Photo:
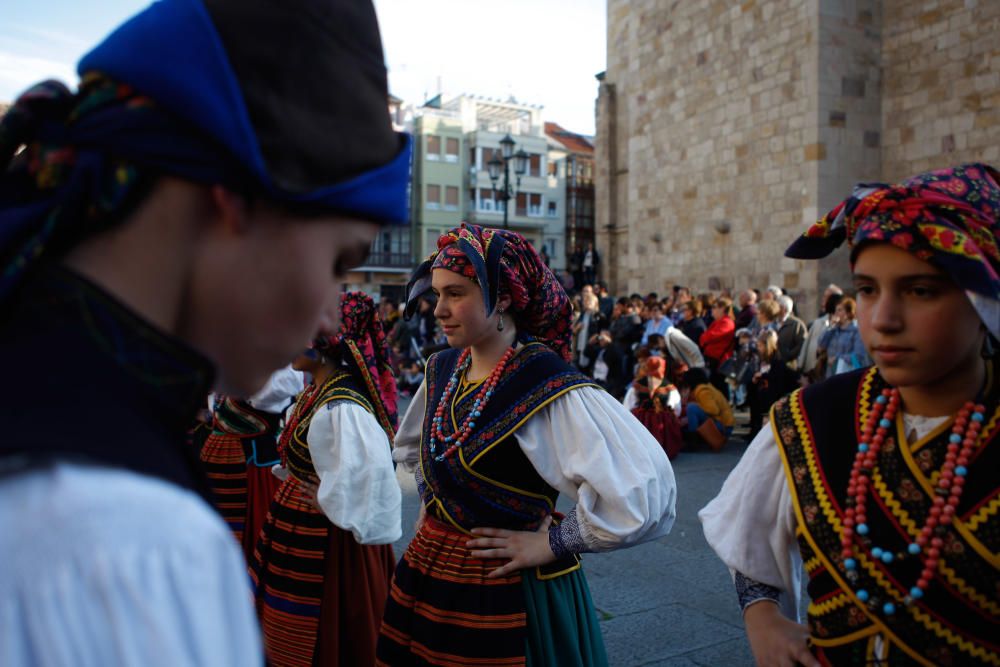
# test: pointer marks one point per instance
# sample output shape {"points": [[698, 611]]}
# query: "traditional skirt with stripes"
{"points": [[320, 595], [225, 465], [442, 610]]}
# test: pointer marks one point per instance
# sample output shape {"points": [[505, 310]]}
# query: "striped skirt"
{"points": [[442, 610], [225, 464], [320, 595]]}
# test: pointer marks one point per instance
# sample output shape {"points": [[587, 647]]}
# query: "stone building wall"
{"points": [[724, 128], [941, 89]]}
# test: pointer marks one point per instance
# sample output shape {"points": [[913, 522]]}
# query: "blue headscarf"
{"points": [[158, 96]]}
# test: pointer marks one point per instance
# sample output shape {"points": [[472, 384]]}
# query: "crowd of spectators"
{"points": [[751, 350]]}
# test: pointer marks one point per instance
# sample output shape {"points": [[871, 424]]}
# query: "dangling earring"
{"points": [[500, 321]]}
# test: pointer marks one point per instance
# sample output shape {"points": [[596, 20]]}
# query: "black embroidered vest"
{"points": [[489, 481], [957, 621]]}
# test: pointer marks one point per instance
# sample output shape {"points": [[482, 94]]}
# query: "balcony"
{"points": [[388, 260]]}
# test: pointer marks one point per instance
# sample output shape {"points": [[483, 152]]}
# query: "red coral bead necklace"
{"points": [[962, 442]]}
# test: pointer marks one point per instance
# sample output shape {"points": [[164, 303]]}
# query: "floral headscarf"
{"points": [[947, 217], [502, 262], [362, 335]]}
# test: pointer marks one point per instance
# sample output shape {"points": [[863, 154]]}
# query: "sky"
{"points": [[543, 52]]}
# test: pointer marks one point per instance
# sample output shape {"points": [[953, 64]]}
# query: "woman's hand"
{"points": [[524, 548], [309, 493], [421, 515], [775, 641]]}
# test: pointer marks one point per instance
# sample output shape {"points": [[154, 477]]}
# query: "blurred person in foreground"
{"points": [[181, 223]]}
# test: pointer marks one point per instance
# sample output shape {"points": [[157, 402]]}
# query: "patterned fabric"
{"points": [[749, 591], [443, 610], [490, 481], [957, 620], [239, 432], [363, 336], [502, 262], [947, 217], [54, 192], [290, 568]]}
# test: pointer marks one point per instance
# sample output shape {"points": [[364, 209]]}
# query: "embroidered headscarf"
{"points": [[948, 218], [232, 107], [362, 344], [502, 262]]}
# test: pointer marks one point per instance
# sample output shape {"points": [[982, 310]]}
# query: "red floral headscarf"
{"points": [[362, 336], [502, 262], [948, 217]]}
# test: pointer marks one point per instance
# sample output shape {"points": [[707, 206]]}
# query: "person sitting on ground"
{"points": [[658, 323], [655, 402], [707, 413]]}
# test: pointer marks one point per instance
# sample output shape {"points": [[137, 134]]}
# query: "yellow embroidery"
{"points": [[984, 513], [834, 603]]}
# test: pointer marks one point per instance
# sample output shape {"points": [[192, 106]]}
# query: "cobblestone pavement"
{"points": [[665, 603]]}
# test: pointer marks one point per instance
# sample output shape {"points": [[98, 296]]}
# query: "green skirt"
{"points": [[562, 624]]}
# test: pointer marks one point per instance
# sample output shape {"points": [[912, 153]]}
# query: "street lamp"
{"points": [[496, 164]]}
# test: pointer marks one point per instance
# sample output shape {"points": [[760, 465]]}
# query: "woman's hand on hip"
{"points": [[776, 641], [524, 548]]}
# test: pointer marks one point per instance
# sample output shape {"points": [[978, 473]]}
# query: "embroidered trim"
{"points": [[749, 591], [565, 538]]}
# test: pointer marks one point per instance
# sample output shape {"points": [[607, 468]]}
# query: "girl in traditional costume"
{"points": [[323, 560], [503, 424], [657, 404], [882, 482], [240, 451]]}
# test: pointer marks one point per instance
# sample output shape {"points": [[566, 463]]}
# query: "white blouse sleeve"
{"points": [[406, 445], [674, 401], [587, 445], [358, 490], [751, 523], [630, 400]]}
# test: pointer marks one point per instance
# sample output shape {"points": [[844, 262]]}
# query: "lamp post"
{"points": [[494, 166]]}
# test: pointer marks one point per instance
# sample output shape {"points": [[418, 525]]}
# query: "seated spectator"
{"points": [[691, 323], [605, 363], [718, 340], [657, 404], [708, 415], [841, 344], [772, 380], [791, 333], [809, 359], [657, 323], [748, 309]]}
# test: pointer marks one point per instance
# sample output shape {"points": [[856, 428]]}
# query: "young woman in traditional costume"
{"points": [[323, 561], [882, 482], [182, 223], [241, 450], [656, 403], [502, 425]]}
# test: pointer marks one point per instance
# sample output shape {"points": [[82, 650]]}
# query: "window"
{"points": [[433, 197], [486, 202], [552, 209], [433, 147], [534, 204], [522, 204], [472, 157], [451, 149], [451, 198], [534, 165], [488, 155], [553, 168]]}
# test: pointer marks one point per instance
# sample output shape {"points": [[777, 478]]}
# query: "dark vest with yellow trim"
{"points": [[340, 386], [489, 481], [957, 621], [257, 429]]}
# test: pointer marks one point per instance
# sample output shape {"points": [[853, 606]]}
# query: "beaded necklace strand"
{"points": [[461, 435], [964, 438]]}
